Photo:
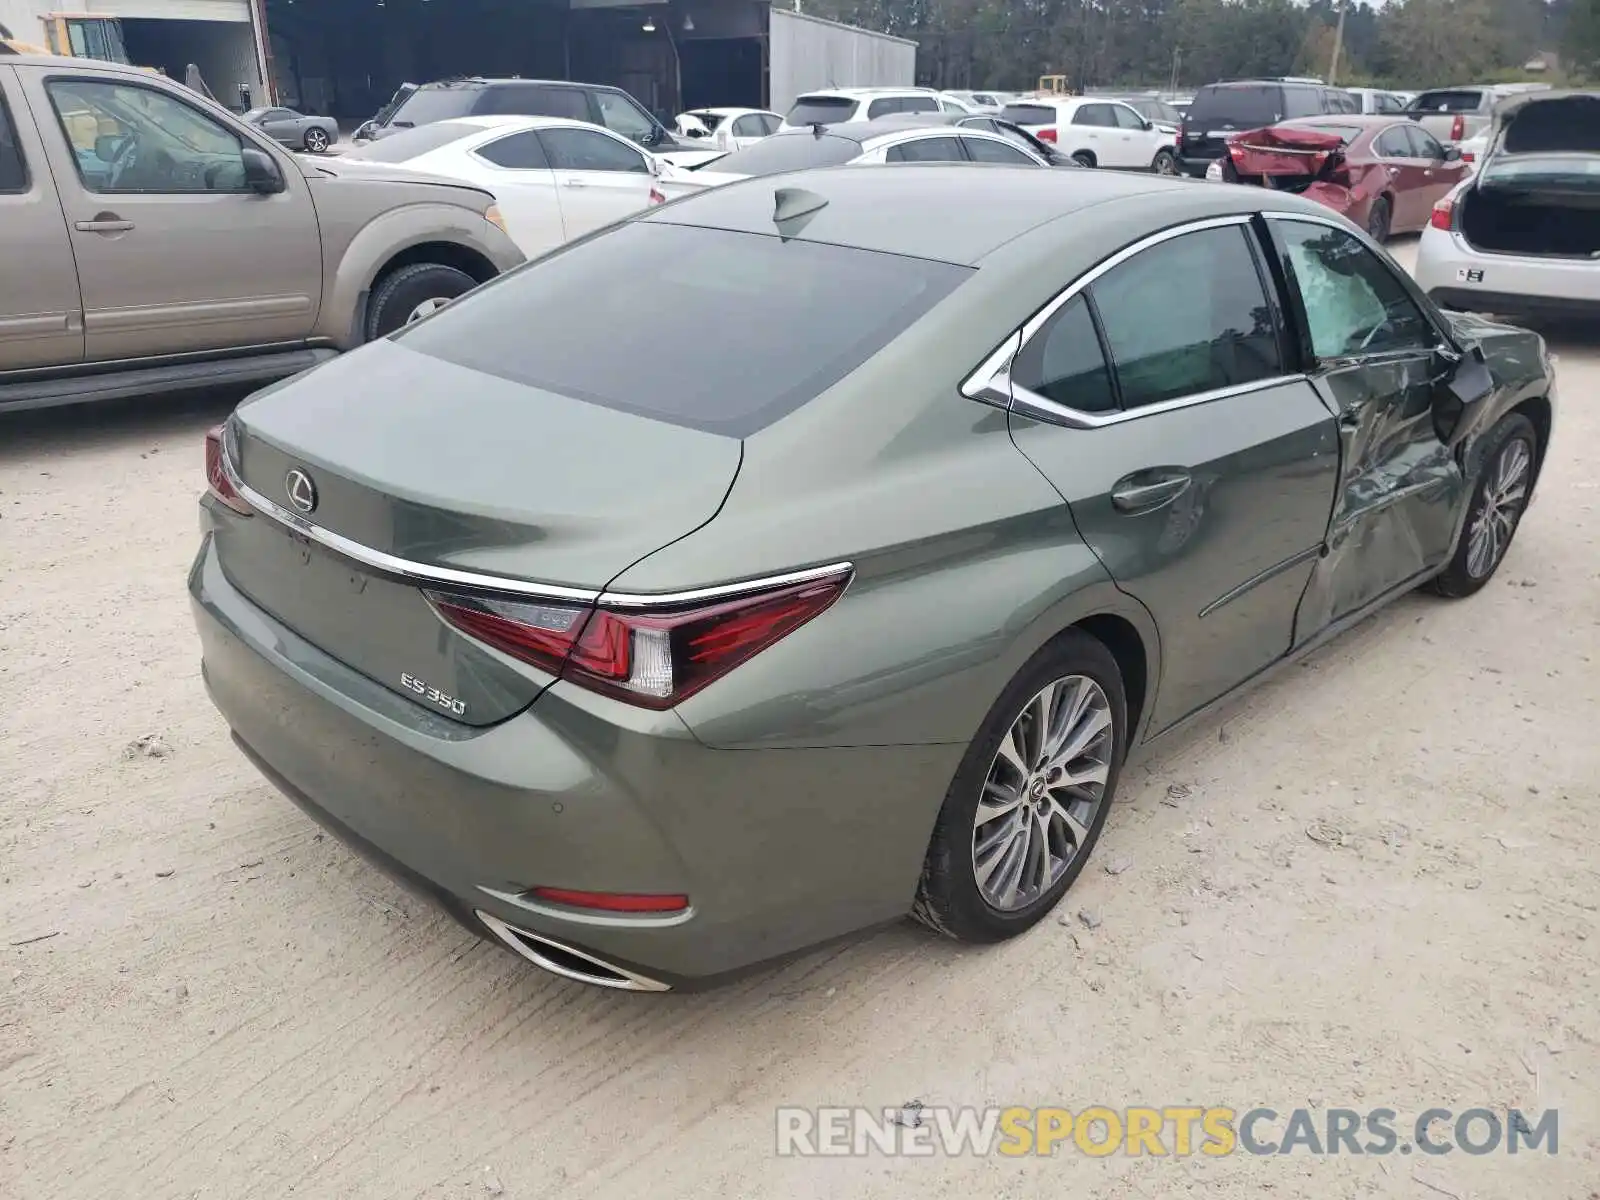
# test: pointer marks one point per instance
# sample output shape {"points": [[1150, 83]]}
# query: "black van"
{"points": [[1220, 110]]}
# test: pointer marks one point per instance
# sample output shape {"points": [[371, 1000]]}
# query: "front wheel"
{"points": [[1166, 163], [412, 293], [1510, 451], [1030, 797]]}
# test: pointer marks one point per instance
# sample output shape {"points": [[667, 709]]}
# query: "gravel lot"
{"points": [[1372, 882]]}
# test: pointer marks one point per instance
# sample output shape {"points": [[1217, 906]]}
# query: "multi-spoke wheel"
{"points": [[1504, 482], [1030, 796]]}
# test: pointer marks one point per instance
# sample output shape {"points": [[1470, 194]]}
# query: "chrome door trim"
{"points": [[428, 574], [1031, 404]]}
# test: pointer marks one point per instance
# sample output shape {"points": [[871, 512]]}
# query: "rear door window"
{"points": [[916, 104], [1064, 362], [531, 100], [933, 149], [1216, 331], [1393, 143], [1094, 114], [584, 150], [821, 110], [1423, 144], [991, 151], [518, 152], [810, 314], [749, 126], [1303, 102]]}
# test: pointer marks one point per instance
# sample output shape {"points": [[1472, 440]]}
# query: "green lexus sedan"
{"points": [[653, 665]]}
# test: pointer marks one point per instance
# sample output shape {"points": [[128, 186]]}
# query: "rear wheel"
{"points": [[1166, 163], [1083, 158], [316, 141], [1378, 220], [411, 293], [1030, 797], [1510, 452]]}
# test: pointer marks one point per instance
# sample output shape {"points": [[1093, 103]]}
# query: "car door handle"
{"points": [[103, 225], [1144, 490], [574, 183]]}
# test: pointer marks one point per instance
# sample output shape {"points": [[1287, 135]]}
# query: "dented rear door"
{"points": [[1373, 352]]}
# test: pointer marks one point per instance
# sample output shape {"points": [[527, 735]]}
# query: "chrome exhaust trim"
{"points": [[567, 961]]}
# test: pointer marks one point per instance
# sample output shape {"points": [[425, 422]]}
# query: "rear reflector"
{"points": [[612, 901], [651, 657], [1046, 135], [1443, 215], [217, 478]]}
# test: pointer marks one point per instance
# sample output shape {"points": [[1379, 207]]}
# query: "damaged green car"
{"points": [[653, 665]]}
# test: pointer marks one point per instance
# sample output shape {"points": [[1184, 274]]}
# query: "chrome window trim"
{"points": [[426, 574], [992, 378]]}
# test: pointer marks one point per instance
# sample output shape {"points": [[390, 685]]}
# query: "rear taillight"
{"points": [[656, 195], [1443, 216], [1047, 135], [1458, 128], [1468, 156], [652, 657], [217, 476]]}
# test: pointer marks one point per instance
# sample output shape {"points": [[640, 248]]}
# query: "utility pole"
{"points": [[1177, 61], [1338, 44]]}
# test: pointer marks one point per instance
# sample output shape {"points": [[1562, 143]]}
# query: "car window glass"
{"points": [[13, 171], [950, 106], [1387, 103], [1447, 102], [990, 151], [1063, 362], [1125, 117], [621, 115], [1029, 114], [1301, 102], [519, 152], [769, 124], [913, 104], [1240, 105], [808, 314], [1424, 144], [748, 127], [1215, 331], [821, 110], [1092, 114], [128, 138], [440, 103], [933, 149], [1353, 302], [1393, 143], [983, 123], [413, 143], [581, 150]]}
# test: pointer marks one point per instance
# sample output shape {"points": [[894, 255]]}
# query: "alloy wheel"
{"points": [[1042, 792], [316, 141], [1505, 490]]}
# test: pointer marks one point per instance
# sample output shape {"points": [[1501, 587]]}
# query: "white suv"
{"points": [[836, 106], [1097, 132]]}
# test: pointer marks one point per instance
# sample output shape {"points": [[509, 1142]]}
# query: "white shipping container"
{"points": [[807, 53]]}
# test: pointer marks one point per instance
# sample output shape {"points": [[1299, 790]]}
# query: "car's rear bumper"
{"points": [[776, 850], [1514, 304], [1195, 165], [1458, 276]]}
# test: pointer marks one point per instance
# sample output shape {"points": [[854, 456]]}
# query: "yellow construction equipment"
{"points": [[1053, 85], [75, 35]]}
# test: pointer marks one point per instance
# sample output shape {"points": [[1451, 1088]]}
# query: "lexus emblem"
{"points": [[302, 492]]}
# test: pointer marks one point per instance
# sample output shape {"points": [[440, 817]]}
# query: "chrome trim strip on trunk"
{"points": [[424, 574]]}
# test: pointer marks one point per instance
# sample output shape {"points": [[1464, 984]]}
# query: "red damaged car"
{"points": [[1384, 173]]}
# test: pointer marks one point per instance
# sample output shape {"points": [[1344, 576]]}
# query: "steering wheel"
{"points": [[127, 154]]}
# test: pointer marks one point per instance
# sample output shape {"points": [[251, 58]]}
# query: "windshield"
{"points": [[1251, 104], [787, 152], [413, 143], [821, 110], [1446, 102], [808, 314], [429, 104]]}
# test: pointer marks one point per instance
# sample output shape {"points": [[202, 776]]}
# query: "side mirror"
{"points": [[365, 131], [1463, 381], [261, 173], [1149, 125], [1452, 154]]}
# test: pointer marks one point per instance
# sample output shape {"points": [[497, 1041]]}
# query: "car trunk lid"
{"points": [[1308, 162], [393, 471], [1538, 193]]}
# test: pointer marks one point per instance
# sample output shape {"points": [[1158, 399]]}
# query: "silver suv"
{"points": [[153, 242]]}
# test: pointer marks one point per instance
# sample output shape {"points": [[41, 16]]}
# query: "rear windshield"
{"points": [[1028, 114], [1343, 132], [426, 105], [1252, 104], [709, 119], [1447, 102], [413, 143], [1579, 171], [787, 152], [575, 322], [821, 110]]}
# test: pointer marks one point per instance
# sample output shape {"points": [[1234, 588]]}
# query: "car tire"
{"points": [[410, 293], [1083, 158], [316, 141], [966, 860], [1379, 219], [1508, 459], [1165, 163]]}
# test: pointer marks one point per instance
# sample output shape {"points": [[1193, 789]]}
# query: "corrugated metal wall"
{"points": [[809, 53]]}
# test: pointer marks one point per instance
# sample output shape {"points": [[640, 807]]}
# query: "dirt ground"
{"points": [[1371, 883]]}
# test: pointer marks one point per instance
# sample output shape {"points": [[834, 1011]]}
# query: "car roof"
{"points": [[924, 210], [499, 120], [860, 93], [485, 81]]}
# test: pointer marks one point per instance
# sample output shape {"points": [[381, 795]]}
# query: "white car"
{"points": [[1376, 100], [886, 141], [728, 128], [976, 102], [1097, 132], [1521, 238], [838, 106], [554, 179]]}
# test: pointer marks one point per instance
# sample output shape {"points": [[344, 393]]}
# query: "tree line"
{"points": [[1412, 44]]}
